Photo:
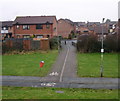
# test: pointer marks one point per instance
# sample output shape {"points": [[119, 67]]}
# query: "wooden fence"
{"points": [[27, 44]]}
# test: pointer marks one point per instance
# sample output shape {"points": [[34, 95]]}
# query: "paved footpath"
{"points": [[63, 74], [65, 65]]}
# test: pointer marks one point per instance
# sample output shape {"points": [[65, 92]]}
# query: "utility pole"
{"points": [[58, 44], [102, 51]]}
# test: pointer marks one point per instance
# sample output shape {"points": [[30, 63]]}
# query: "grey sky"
{"points": [[76, 10]]}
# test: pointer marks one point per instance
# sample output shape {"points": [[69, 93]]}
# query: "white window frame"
{"points": [[26, 27]]}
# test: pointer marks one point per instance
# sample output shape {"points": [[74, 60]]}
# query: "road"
{"points": [[62, 74], [27, 81]]}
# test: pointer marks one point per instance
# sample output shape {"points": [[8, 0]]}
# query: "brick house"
{"points": [[98, 31], [81, 28], [92, 26], [65, 27], [111, 25], [35, 26], [6, 29]]}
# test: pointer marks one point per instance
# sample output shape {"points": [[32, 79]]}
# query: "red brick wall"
{"points": [[55, 31], [64, 28], [33, 30], [82, 29]]}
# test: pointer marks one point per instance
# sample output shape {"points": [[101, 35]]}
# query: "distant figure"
{"points": [[72, 42], [65, 42]]}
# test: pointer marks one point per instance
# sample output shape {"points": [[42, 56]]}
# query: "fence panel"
{"points": [[44, 45], [27, 44], [35, 45]]}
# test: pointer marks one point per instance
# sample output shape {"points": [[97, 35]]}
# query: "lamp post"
{"points": [[102, 51], [58, 44]]}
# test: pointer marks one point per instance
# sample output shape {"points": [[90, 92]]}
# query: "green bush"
{"points": [[111, 43], [54, 43], [88, 43], [5, 48]]}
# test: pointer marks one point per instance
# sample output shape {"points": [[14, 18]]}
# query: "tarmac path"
{"points": [[63, 74], [65, 65]]}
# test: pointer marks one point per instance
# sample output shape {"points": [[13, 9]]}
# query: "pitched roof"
{"points": [[67, 21], [90, 27], [98, 29], [7, 23], [92, 23], [34, 19], [110, 22], [80, 23]]}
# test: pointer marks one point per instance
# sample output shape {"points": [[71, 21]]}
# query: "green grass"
{"points": [[28, 64], [89, 64], [50, 93]]}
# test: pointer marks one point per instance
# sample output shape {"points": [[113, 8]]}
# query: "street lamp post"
{"points": [[102, 51], [58, 44]]}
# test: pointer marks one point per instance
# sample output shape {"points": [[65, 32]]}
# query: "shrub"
{"points": [[5, 48], [88, 43], [82, 43], [110, 43], [72, 35], [54, 43]]}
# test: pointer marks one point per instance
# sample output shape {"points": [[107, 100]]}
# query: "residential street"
{"points": [[63, 74]]}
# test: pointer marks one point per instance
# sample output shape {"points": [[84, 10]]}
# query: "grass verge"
{"points": [[28, 64], [89, 65], [50, 93]]}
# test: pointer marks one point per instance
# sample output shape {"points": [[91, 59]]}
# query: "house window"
{"points": [[18, 36], [26, 36], [47, 26], [17, 27], [26, 27], [4, 28], [39, 26], [39, 36], [55, 29], [85, 31], [48, 36]]}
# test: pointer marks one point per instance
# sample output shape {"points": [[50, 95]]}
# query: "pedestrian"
{"points": [[65, 42]]}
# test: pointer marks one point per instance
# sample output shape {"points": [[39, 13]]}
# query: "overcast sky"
{"points": [[76, 10]]}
